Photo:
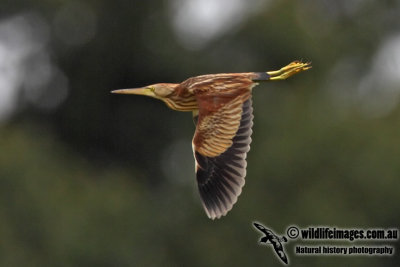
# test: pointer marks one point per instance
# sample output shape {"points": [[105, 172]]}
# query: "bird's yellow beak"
{"points": [[135, 91]]}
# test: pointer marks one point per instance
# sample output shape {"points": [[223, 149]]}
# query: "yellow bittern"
{"points": [[223, 113]]}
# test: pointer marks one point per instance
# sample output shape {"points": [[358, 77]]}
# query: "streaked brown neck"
{"points": [[181, 100]]}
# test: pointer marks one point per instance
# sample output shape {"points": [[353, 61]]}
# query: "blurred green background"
{"points": [[93, 179]]}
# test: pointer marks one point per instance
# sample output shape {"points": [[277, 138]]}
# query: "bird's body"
{"points": [[183, 98], [222, 108]]}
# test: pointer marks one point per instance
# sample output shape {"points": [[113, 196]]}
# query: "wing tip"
{"points": [[221, 205]]}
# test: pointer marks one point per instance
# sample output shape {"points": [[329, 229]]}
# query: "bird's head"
{"points": [[159, 90]]}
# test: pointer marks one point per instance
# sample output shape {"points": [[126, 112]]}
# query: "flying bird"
{"points": [[222, 110], [273, 239]]}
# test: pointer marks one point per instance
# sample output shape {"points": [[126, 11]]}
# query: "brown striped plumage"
{"points": [[222, 107]]}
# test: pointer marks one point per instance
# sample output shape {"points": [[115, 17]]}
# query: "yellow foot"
{"points": [[289, 70]]}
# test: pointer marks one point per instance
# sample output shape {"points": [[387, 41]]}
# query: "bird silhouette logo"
{"points": [[272, 239]]}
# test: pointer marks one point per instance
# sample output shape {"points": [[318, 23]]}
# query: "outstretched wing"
{"points": [[280, 252], [220, 144]]}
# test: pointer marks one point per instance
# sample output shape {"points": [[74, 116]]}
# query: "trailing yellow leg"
{"points": [[289, 70]]}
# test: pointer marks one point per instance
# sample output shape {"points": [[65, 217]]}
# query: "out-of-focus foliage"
{"points": [[89, 178]]}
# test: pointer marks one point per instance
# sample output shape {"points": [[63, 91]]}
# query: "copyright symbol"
{"points": [[292, 232]]}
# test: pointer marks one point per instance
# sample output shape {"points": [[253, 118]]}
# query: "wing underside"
{"points": [[221, 176]]}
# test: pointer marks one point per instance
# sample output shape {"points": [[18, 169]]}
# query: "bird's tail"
{"points": [[284, 73]]}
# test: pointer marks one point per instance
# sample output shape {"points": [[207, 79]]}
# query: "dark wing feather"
{"points": [[280, 252], [221, 178]]}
